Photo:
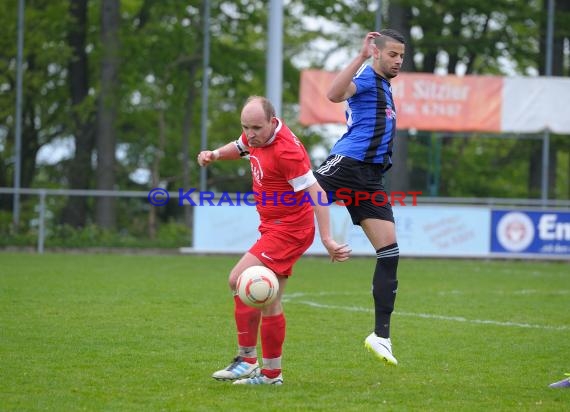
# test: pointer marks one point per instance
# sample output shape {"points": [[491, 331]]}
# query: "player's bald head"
{"points": [[255, 104]]}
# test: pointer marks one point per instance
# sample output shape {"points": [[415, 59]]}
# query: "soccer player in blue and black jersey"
{"points": [[360, 158]]}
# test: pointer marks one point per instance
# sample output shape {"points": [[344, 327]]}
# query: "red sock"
{"points": [[270, 373], [272, 339], [247, 323]]}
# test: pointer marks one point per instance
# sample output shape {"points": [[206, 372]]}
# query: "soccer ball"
{"points": [[257, 286]]}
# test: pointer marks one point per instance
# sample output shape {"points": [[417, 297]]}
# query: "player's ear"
{"points": [[375, 51]]}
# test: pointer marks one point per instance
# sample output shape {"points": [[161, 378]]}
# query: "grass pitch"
{"points": [[144, 333]]}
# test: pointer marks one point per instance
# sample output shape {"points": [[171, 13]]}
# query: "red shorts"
{"points": [[279, 249]]}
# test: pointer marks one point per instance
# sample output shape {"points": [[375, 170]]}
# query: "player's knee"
{"points": [[274, 309], [232, 280]]}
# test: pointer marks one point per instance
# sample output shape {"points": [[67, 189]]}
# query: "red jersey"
{"points": [[281, 170]]}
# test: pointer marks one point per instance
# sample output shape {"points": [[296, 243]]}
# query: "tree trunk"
{"points": [[30, 145], [75, 211], [399, 175], [107, 114]]}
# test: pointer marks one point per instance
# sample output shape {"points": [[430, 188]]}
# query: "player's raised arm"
{"points": [[342, 86]]}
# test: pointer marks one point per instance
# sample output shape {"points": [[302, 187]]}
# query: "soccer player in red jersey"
{"points": [[287, 194]]}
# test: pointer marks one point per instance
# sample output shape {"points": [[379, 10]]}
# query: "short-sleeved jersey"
{"points": [[281, 170], [370, 120]]}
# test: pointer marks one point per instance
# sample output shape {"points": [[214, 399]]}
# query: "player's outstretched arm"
{"points": [[337, 252], [226, 152]]}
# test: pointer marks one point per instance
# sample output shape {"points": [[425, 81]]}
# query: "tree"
{"points": [[107, 111], [399, 177], [82, 117], [44, 87]]}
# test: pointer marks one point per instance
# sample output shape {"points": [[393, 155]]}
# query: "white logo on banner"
{"points": [[515, 231]]}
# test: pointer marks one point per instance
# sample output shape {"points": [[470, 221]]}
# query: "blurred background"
{"points": [[99, 96]]}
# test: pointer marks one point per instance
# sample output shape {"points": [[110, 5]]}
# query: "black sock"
{"points": [[384, 287]]}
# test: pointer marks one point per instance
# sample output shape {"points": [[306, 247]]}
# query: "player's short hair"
{"points": [[267, 106], [388, 35]]}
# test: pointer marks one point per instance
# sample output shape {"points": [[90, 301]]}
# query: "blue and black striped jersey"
{"points": [[370, 120]]}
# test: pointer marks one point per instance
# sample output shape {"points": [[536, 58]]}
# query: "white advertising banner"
{"points": [[225, 229], [534, 104], [421, 230]]}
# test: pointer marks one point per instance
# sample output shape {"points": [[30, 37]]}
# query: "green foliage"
{"points": [[133, 232], [563, 173], [170, 235], [144, 333], [476, 35], [11, 237], [475, 166], [44, 95]]}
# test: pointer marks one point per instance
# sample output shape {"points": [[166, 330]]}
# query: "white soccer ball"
{"points": [[257, 286]]}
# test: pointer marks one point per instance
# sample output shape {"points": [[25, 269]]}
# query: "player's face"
{"points": [[390, 59], [258, 130]]}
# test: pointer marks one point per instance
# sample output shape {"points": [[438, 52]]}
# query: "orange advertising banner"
{"points": [[423, 101]]}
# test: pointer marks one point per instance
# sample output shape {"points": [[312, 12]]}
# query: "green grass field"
{"points": [[144, 333]]}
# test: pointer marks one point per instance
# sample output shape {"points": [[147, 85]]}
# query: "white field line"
{"points": [[292, 299], [524, 292]]}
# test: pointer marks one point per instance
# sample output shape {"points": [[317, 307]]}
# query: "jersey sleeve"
{"points": [[242, 147], [296, 169], [362, 79], [303, 182]]}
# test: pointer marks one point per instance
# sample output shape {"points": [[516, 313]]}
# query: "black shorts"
{"points": [[358, 184]]}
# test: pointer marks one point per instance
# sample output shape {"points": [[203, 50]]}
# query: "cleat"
{"points": [[260, 380], [236, 370], [381, 348], [564, 383]]}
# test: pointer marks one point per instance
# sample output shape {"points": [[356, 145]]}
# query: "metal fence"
{"points": [[41, 209]]}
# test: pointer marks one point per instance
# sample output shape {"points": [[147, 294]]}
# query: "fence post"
{"points": [[42, 222]]}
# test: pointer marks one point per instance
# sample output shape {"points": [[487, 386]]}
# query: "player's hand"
{"points": [[206, 157], [337, 252], [368, 44]]}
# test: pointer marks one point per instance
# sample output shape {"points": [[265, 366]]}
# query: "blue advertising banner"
{"points": [[521, 232]]}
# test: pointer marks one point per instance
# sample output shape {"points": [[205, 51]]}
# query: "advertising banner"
{"points": [[452, 103], [517, 232], [421, 230]]}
